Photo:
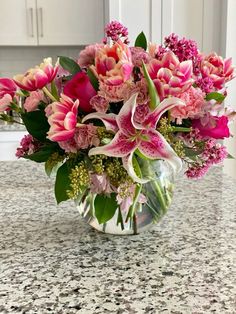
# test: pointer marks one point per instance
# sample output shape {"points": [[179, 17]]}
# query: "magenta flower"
{"points": [[216, 127], [131, 136], [79, 87], [115, 30], [113, 65], [170, 76], [37, 77], [7, 86], [63, 119]]}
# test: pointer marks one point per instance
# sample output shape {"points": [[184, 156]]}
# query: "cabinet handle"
{"points": [[40, 10], [31, 22]]}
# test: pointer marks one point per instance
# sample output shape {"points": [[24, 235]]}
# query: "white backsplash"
{"points": [[16, 60]]}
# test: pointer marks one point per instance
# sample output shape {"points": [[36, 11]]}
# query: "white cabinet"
{"points": [[18, 22], [51, 22], [9, 141], [70, 22]]}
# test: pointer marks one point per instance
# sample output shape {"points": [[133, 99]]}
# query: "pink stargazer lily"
{"points": [[131, 136]]}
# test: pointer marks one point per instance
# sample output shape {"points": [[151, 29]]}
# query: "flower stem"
{"points": [[47, 92], [135, 225], [180, 129]]}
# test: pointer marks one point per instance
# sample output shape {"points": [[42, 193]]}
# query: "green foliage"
{"points": [[215, 96], [141, 41], [93, 79], [155, 100], [69, 64], [36, 124], [42, 155], [105, 207], [62, 184], [54, 90]]}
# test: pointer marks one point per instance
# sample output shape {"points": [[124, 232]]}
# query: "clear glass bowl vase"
{"points": [[158, 192]]}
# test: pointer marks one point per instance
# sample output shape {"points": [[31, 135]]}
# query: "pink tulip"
{"points": [[63, 119], [79, 87], [170, 76], [7, 86], [38, 77], [33, 100], [216, 127], [217, 69], [113, 65]]}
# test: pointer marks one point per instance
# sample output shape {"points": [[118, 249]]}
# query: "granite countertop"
{"points": [[52, 262]]}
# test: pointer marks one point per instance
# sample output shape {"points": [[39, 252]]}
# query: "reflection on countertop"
{"points": [[52, 262]]}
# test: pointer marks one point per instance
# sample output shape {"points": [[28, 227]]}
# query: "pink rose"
{"points": [[33, 100], [37, 77], [113, 65], [79, 87], [216, 127], [217, 69], [170, 76], [63, 119], [194, 100]]}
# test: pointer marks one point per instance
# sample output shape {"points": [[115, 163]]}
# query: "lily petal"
{"points": [[128, 165], [125, 116], [165, 105], [155, 146], [109, 120], [120, 146]]}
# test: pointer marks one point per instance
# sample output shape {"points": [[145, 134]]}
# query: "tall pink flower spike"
{"points": [[131, 136]]}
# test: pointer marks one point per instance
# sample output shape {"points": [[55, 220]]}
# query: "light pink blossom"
{"points": [[86, 136], [37, 77], [33, 100], [194, 103], [127, 201], [63, 119], [100, 183], [5, 102]]}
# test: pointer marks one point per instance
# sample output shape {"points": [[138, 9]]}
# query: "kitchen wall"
{"points": [[15, 60]]}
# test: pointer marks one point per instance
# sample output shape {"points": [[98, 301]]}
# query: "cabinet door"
{"points": [[70, 22], [18, 22]]}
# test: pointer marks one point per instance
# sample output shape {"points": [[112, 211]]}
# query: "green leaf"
{"points": [[155, 100], [69, 64], [230, 156], [36, 124], [93, 79], [105, 207], [141, 41], [62, 183], [51, 168], [54, 90], [42, 155], [216, 96]]}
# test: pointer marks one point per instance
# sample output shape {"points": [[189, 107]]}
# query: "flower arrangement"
{"points": [[99, 122]]}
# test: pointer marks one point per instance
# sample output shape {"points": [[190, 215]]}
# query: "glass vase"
{"points": [[158, 193]]}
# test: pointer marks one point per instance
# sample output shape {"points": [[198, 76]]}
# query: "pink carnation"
{"points": [[5, 102], [33, 100], [87, 55], [86, 136], [99, 103], [194, 100], [139, 55]]}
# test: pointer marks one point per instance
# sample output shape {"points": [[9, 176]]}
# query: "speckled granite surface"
{"points": [[51, 262]]}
